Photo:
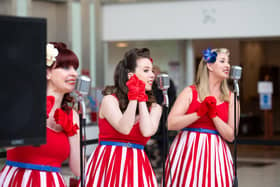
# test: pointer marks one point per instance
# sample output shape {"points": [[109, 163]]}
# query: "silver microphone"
{"points": [[235, 75], [163, 84], [235, 72], [83, 85], [163, 81], [82, 88]]}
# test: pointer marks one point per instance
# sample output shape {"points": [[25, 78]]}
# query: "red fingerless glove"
{"points": [[142, 96], [203, 109], [211, 104], [66, 122], [49, 104], [132, 85]]}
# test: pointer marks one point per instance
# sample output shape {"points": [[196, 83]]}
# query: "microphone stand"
{"points": [[165, 137], [82, 115], [236, 95]]}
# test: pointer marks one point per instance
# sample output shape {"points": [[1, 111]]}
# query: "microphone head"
{"points": [[163, 81], [83, 85], [235, 72]]}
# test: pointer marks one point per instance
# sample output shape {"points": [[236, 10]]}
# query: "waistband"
{"points": [[201, 130], [33, 166], [131, 145]]}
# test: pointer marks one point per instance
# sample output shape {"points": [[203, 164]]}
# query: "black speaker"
{"points": [[23, 81]]}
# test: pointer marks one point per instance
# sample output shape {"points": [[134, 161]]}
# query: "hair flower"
{"points": [[209, 56], [52, 52]]}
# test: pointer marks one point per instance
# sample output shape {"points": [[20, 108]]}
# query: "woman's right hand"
{"points": [[212, 109], [132, 88], [203, 109]]}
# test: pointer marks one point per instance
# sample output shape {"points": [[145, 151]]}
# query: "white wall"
{"points": [[62, 24], [5, 7], [48, 11], [191, 19]]}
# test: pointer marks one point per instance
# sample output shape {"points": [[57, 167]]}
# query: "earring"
{"points": [[129, 75]]}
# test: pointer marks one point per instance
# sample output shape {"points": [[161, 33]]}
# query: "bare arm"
{"points": [[149, 121], [74, 157], [177, 119], [122, 122], [226, 130]]}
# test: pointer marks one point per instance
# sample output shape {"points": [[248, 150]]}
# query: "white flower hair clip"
{"points": [[52, 52]]}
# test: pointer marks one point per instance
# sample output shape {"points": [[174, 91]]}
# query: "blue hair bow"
{"points": [[209, 57]]}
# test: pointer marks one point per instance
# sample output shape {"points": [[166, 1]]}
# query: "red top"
{"points": [[53, 153], [108, 133], [205, 122]]}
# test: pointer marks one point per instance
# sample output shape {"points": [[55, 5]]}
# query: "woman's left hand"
{"points": [[211, 104], [142, 96], [49, 104], [66, 121]]}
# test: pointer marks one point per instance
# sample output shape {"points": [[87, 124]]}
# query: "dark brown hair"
{"points": [[126, 65]]}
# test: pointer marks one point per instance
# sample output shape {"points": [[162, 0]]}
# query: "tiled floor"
{"points": [[258, 166], [258, 172]]}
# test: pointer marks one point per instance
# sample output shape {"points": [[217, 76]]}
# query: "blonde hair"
{"points": [[202, 75]]}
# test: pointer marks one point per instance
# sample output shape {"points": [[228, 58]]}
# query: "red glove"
{"points": [[136, 89], [142, 96], [211, 104], [203, 109], [132, 88], [66, 122], [49, 104]]}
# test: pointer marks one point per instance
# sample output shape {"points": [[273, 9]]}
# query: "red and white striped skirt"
{"points": [[199, 160], [12, 176], [119, 166]]}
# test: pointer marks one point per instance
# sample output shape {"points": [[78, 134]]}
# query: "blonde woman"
{"points": [[204, 114]]}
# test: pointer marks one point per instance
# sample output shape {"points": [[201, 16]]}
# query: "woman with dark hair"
{"points": [[128, 117], [204, 114], [38, 166]]}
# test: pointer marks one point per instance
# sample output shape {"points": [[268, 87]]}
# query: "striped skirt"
{"points": [[119, 166], [199, 160], [12, 176]]}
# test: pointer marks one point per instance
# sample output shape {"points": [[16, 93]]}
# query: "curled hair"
{"points": [[202, 78], [126, 65], [65, 58]]}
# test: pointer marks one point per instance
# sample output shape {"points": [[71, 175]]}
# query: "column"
{"points": [[189, 63], [75, 30]]}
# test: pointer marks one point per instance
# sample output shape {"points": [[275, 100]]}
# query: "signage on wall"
{"points": [[265, 90], [265, 101]]}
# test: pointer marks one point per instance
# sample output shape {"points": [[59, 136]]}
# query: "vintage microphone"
{"points": [[163, 84], [82, 88], [235, 75]]}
